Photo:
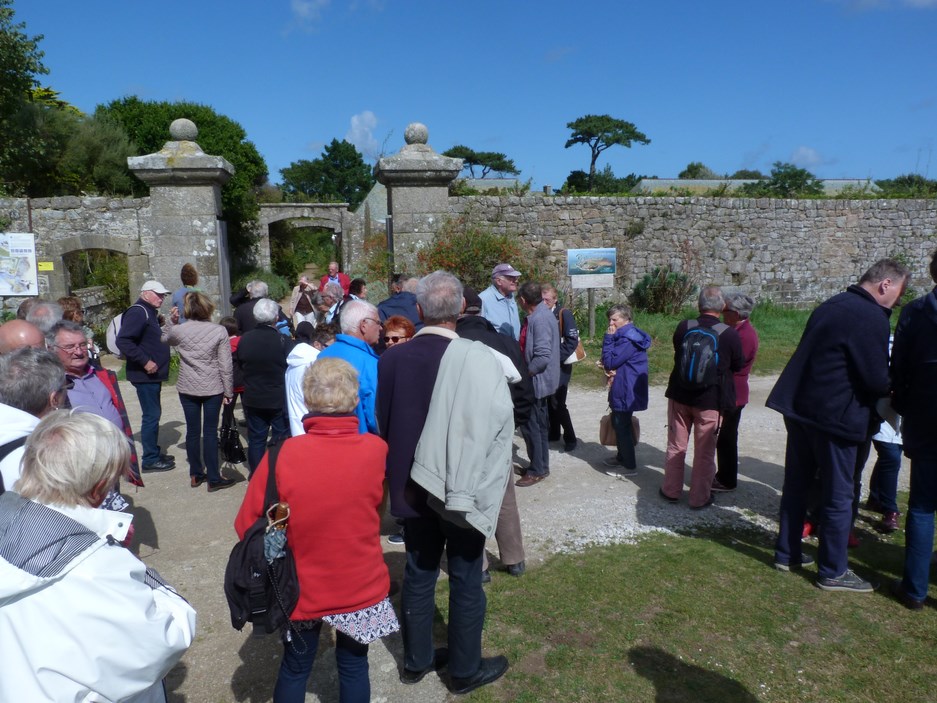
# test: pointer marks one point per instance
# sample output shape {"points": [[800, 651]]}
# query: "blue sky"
{"points": [[845, 88]]}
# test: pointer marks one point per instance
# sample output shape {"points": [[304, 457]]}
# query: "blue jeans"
{"points": [[919, 524], [883, 484], [621, 422], [536, 433], [148, 395], [260, 422], [295, 667], [810, 451], [425, 539], [202, 438]]}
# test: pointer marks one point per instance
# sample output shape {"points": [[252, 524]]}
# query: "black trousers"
{"points": [[727, 448], [559, 417]]}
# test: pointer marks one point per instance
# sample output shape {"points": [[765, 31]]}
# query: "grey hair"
{"points": [[266, 311], [44, 314], [711, 299], [409, 284], [258, 289], [330, 387], [623, 310], [741, 304], [28, 377], [69, 455], [439, 295], [335, 290], [60, 326], [353, 312]]}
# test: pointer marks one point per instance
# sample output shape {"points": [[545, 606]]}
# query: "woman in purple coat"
{"points": [[624, 358]]}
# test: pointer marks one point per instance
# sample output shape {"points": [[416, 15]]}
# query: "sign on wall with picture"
{"points": [[18, 264]]}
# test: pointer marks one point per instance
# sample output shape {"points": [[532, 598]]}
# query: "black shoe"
{"points": [[805, 560], [219, 484], [517, 569], [897, 590], [491, 669], [440, 660], [486, 576], [847, 581], [197, 480], [158, 466], [168, 458], [666, 497], [570, 446]]}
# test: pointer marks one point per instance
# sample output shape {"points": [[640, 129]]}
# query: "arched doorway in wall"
{"points": [[104, 271], [301, 245]]}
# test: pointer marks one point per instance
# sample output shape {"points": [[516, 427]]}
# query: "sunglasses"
{"points": [[394, 339]]}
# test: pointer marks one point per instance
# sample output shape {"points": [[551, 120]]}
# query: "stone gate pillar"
{"points": [[417, 181], [185, 209]]}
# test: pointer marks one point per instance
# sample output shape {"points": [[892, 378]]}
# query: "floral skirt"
{"points": [[364, 626]]}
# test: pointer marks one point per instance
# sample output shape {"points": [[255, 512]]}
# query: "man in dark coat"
{"points": [[402, 301], [827, 394], [914, 381], [147, 367], [699, 407]]}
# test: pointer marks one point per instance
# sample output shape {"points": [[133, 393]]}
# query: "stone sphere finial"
{"points": [[183, 130], [416, 133]]}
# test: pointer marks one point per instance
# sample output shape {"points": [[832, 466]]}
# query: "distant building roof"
{"points": [[831, 186]]}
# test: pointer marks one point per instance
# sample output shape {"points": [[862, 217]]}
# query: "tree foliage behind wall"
{"points": [[338, 175], [147, 125]]}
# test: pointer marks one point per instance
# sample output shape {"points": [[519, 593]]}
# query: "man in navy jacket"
{"points": [[827, 394], [147, 367]]}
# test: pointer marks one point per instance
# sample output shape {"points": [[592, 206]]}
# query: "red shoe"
{"points": [[809, 529], [853, 541]]}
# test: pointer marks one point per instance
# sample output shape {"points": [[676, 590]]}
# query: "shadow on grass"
{"points": [[673, 679]]}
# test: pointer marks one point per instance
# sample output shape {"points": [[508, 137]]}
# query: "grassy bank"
{"points": [[705, 617], [779, 330]]}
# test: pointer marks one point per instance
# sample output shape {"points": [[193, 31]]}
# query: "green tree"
{"points": [[786, 181], [747, 174], [605, 182], [20, 64], [338, 175], [147, 125], [910, 185], [488, 161], [600, 132], [697, 170]]}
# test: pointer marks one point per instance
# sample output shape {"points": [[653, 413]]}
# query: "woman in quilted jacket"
{"points": [[205, 381]]}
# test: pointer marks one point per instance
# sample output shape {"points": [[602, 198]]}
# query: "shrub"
{"points": [[662, 290], [470, 252], [278, 286]]}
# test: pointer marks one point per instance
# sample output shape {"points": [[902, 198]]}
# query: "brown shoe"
{"points": [[530, 479], [196, 481]]}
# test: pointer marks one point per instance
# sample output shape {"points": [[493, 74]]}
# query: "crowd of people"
{"points": [[394, 389]]}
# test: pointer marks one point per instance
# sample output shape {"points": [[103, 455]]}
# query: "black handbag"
{"points": [[229, 439], [259, 590]]}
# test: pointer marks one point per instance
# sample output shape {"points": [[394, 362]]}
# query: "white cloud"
{"points": [[361, 133], [308, 11], [806, 157], [558, 53]]}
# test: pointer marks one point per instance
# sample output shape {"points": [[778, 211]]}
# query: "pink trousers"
{"points": [[680, 418]]}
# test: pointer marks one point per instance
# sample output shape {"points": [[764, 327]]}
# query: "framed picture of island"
{"points": [[591, 268]]}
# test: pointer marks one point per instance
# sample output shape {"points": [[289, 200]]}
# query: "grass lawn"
{"points": [[779, 331], [706, 617]]}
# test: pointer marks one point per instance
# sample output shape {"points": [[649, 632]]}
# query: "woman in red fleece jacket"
{"points": [[332, 479]]}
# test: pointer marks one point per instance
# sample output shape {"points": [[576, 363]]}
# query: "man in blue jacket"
{"points": [[361, 329], [147, 367], [827, 394]]}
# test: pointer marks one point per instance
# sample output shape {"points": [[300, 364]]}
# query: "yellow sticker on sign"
{"points": [[46, 266]]}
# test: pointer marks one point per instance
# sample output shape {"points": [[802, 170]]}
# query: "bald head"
{"points": [[17, 334]]}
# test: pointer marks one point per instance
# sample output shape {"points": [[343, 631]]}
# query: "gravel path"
{"points": [[187, 534]]}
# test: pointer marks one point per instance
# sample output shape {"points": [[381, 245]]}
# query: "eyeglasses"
{"points": [[376, 322], [393, 339], [72, 348]]}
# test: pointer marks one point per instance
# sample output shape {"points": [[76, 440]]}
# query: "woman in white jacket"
{"points": [[81, 618]]}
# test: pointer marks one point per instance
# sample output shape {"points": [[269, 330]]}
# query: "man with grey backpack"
{"points": [[707, 353]]}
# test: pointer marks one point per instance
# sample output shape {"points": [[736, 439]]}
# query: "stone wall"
{"points": [[794, 252], [67, 224]]}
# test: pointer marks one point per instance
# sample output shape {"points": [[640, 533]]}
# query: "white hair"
{"points": [[266, 311], [69, 455], [439, 295], [258, 289], [353, 312]]}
